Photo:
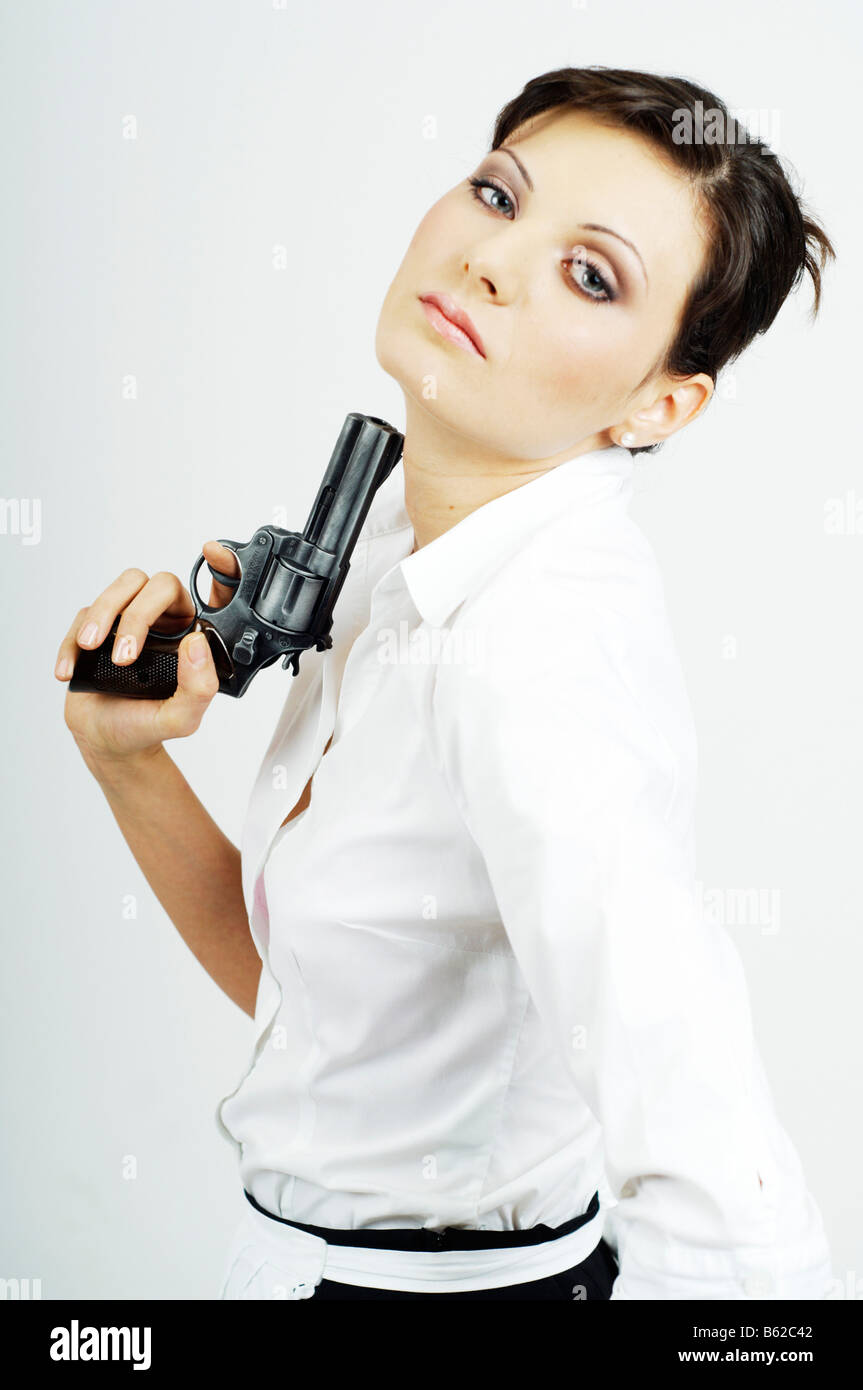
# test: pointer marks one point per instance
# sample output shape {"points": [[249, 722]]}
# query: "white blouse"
{"points": [[488, 987]]}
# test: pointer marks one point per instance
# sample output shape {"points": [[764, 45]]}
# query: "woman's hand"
{"points": [[110, 728]]}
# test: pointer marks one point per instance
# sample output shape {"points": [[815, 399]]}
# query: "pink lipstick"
{"points": [[452, 322]]}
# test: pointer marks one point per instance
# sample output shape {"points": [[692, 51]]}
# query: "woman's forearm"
{"points": [[191, 866]]}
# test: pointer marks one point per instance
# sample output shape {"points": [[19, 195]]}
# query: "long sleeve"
{"points": [[568, 752]]}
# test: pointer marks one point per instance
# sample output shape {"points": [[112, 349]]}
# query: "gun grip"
{"points": [[151, 676]]}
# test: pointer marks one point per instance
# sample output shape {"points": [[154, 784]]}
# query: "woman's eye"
{"points": [[583, 271], [477, 184]]}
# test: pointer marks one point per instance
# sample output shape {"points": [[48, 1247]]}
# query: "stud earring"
{"points": [[627, 439]]}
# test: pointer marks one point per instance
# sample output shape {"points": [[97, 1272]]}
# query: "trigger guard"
{"points": [[225, 579], [230, 583]]}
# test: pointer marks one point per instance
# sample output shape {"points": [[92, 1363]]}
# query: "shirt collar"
{"points": [[457, 563]]}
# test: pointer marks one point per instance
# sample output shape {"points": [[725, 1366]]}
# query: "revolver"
{"points": [[284, 598]]}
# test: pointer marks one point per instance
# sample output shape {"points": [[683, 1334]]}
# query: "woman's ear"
{"points": [[671, 409]]}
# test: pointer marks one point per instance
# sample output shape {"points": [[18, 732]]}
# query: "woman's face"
{"points": [[566, 343]]}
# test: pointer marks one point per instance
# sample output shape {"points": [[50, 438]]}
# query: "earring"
{"points": [[627, 439]]}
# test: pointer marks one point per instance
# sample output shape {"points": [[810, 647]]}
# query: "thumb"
{"points": [[197, 683]]}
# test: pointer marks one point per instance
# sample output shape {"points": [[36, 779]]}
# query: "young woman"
{"points": [[491, 1022]]}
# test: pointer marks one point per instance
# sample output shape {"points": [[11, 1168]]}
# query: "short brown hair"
{"points": [[761, 236]]}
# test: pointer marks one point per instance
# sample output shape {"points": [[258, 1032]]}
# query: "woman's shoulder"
{"points": [[576, 569], [577, 619]]}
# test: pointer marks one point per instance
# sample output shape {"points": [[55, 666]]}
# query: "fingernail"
{"points": [[63, 668], [87, 633], [127, 649], [197, 649]]}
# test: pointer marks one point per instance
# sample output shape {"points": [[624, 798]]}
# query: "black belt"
{"points": [[451, 1238]]}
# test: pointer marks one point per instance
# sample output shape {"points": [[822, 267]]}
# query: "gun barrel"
{"points": [[366, 452]]}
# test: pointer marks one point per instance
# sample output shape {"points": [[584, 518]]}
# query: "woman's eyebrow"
{"points": [[525, 175], [588, 226]]}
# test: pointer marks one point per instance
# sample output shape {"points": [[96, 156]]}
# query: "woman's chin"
{"points": [[404, 357]]}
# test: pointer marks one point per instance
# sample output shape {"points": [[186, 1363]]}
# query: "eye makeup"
{"points": [[582, 263], [623, 273]]}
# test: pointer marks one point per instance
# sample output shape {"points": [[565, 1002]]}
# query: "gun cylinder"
{"points": [[289, 589]]}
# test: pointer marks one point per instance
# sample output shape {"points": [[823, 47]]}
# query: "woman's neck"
{"points": [[447, 476]]}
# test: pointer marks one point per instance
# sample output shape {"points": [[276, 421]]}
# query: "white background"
{"points": [[307, 127]]}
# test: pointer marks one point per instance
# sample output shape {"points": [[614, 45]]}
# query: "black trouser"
{"points": [[592, 1279]]}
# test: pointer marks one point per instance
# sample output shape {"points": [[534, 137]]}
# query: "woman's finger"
{"points": [[197, 683], [67, 654], [224, 560], [162, 597], [92, 623]]}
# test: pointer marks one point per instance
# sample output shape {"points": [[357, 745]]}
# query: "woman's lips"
{"points": [[434, 307]]}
